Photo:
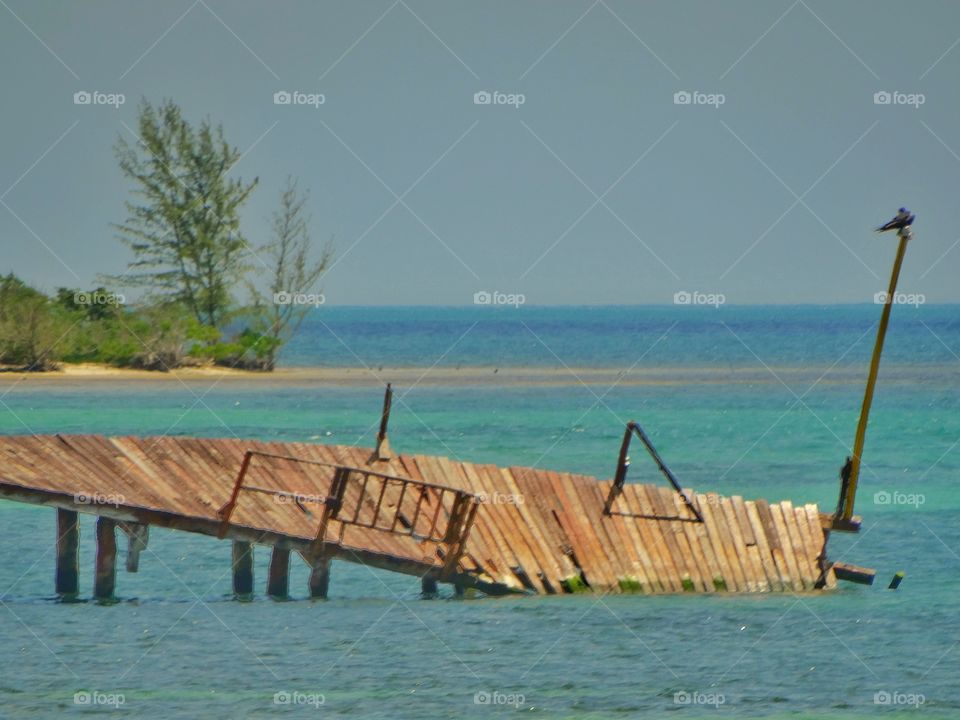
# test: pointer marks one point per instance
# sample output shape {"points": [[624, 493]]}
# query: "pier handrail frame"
{"points": [[620, 478], [462, 513]]}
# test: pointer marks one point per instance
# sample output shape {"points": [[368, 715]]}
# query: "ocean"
{"points": [[755, 401]]}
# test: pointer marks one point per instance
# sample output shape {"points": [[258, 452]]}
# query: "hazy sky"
{"points": [[599, 188]]}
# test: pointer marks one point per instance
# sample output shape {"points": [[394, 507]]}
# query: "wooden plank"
{"points": [[651, 544], [820, 537], [766, 556], [738, 545], [655, 543], [537, 566], [751, 553], [691, 573], [532, 521], [789, 556], [582, 544], [807, 573], [600, 573], [672, 555], [481, 547], [854, 573], [499, 559], [712, 569], [626, 536], [810, 551], [725, 538], [698, 556], [540, 498], [592, 503], [707, 505], [514, 535], [773, 540]]}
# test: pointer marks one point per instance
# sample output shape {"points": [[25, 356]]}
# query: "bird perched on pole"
{"points": [[903, 218]]}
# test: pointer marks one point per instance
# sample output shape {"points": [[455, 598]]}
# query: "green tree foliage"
{"points": [[28, 327], [184, 226]]}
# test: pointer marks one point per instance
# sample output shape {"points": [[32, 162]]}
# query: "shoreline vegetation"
{"points": [[205, 294], [99, 375]]}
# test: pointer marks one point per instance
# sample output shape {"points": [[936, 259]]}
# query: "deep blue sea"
{"points": [[757, 401]]}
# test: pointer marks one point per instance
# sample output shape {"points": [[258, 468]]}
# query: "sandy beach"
{"points": [[94, 376]]}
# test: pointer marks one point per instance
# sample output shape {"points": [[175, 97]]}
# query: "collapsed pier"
{"points": [[498, 530]]}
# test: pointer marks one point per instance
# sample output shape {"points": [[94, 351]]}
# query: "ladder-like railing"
{"points": [[373, 501]]}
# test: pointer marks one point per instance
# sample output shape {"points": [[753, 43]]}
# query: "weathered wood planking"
{"points": [[536, 530]]}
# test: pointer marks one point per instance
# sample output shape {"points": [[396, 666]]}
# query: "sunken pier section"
{"points": [[492, 529]]}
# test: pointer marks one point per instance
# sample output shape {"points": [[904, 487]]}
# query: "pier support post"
{"points": [[68, 554], [242, 569], [320, 578], [278, 582], [105, 580], [428, 587]]}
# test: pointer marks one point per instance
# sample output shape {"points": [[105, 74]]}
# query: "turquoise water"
{"points": [[178, 646]]}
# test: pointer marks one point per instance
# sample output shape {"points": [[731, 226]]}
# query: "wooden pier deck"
{"points": [[496, 529]]}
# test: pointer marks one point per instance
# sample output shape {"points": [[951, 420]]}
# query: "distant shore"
{"points": [[94, 376]]}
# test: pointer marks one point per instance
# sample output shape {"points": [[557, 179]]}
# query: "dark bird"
{"points": [[901, 220]]}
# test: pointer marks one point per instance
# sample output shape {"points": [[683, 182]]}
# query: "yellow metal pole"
{"points": [[904, 235]]}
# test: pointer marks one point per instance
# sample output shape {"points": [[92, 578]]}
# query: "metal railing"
{"points": [[620, 478], [366, 499]]}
